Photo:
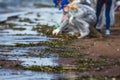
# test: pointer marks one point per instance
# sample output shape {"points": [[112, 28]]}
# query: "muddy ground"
{"points": [[96, 48], [98, 56]]}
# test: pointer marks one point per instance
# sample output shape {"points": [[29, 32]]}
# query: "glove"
{"points": [[57, 25]]}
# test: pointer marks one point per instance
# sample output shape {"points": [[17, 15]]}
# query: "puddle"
{"points": [[7, 74], [21, 51], [31, 60], [17, 32], [29, 56], [10, 36], [12, 40], [36, 61], [26, 75]]}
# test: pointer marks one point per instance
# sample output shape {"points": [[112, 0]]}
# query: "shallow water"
{"points": [[21, 51], [36, 61], [12, 40], [29, 56], [48, 16], [19, 5], [6, 74], [12, 35]]}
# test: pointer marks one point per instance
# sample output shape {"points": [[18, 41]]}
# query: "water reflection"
{"points": [[35, 61], [25, 75], [29, 56], [14, 5], [13, 40], [20, 30], [6, 74]]}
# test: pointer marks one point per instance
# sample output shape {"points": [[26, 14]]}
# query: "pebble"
{"points": [[113, 78], [118, 49]]}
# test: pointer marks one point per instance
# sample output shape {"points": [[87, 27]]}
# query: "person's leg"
{"points": [[82, 27], [101, 21], [98, 9], [98, 12], [107, 14], [112, 13]]}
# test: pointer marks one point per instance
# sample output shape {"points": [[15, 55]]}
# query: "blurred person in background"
{"points": [[105, 11]]}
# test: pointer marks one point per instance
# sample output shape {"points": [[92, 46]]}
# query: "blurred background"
{"points": [[13, 5]]}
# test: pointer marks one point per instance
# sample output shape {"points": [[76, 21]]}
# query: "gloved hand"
{"points": [[57, 25], [56, 31]]}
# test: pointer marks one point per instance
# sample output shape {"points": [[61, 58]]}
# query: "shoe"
{"points": [[83, 35], [107, 32]]}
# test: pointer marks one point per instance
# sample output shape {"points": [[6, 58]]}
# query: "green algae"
{"points": [[25, 20], [54, 69], [42, 5], [95, 78], [20, 29], [53, 43], [56, 47], [11, 25], [91, 78], [46, 68], [81, 65], [65, 52], [7, 25], [60, 46], [96, 64], [47, 31], [90, 64]]}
